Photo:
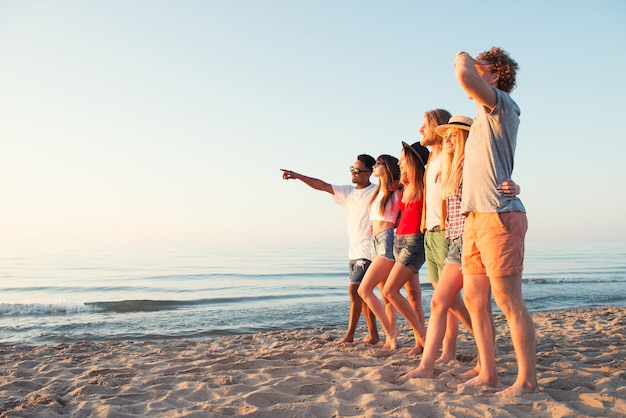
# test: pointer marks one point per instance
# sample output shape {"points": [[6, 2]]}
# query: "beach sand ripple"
{"points": [[581, 363]]}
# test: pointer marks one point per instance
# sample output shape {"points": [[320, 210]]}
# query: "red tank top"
{"points": [[410, 219]]}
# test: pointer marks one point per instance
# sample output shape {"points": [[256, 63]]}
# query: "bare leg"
{"points": [[355, 313], [377, 273], [446, 291], [414, 294], [448, 349], [491, 320], [507, 292], [476, 370], [400, 274], [392, 315], [458, 306], [477, 298], [372, 330], [462, 314]]}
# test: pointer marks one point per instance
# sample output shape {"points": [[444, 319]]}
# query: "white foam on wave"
{"points": [[43, 308]]}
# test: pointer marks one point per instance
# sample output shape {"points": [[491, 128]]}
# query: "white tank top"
{"points": [[391, 210], [433, 192]]}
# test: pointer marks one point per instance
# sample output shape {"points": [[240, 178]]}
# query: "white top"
{"points": [[433, 192], [356, 202], [391, 209]]}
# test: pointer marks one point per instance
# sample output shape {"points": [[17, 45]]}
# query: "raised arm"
{"points": [[317, 184], [477, 79]]}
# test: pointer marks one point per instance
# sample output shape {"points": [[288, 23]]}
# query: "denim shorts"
{"points": [[455, 251], [383, 244], [358, 268], [409, 250]]}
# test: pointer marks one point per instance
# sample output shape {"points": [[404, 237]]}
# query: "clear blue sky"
{"points": [[166, 122]]}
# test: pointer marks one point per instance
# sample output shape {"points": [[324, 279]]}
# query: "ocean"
{"points": [[137, 295]]}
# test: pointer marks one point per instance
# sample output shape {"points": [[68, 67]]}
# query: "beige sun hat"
{"points": [[461, 122]]}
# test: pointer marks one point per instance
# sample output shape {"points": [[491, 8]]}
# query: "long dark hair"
{"points": [[414, 185], [391, 174]]}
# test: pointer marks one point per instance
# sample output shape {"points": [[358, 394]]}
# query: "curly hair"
{"points": [[503, 64]]}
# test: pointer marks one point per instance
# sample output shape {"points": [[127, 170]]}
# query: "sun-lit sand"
{"points": [[581, 361]]}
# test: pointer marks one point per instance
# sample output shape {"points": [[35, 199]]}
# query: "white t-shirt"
{"points": [[433, 192], [356, 202]]}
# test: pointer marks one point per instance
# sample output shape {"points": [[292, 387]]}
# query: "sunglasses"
{"points": [[358, 170], [379, 163]]}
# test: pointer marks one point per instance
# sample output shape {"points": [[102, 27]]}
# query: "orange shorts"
{"points": [[493, 243]]}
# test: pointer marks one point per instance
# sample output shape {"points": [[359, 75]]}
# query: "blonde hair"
{"points": [[451, 168]]}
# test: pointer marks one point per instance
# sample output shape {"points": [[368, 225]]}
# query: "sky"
{"points": [[138, 123]]}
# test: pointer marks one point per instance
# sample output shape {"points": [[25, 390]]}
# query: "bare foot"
{"points": [[416, 351], [371, 340], [468, 374], [475, 382], [445, 359], [517, 390], [417, 372], [346, 340], [392, 340], [421, 338]]}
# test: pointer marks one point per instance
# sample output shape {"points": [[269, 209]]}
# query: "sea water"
{"points": [[139, 294]]}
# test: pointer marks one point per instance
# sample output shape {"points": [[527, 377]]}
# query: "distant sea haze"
{"points": [[194, 293]]}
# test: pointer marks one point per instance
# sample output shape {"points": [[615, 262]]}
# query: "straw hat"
{"points": [[461, 122]]}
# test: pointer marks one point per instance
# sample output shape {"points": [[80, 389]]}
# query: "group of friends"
{"points": [[456, 209]]}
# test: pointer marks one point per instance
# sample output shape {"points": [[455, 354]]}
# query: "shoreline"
{"points": [[581, 358]]}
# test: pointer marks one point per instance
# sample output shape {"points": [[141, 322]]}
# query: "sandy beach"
{"points": [[581, 360]]}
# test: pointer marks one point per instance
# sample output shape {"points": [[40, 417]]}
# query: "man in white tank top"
{"points": [[433, 223], [433, 215]]}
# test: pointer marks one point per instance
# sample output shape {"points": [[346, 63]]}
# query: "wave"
{"points": [[254, 276], [573, 280], [134, 305], [57, 308], [288, 296]]}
